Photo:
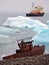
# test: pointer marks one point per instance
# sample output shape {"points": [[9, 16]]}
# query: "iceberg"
{"points": [[39, 29], [48, 23], [23, 22], [42, 38]]}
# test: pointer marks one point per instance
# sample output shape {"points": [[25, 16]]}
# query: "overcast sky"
{"points": [[14, 6]]}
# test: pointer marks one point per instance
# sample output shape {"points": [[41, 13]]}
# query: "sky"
{"points": [[14, 6]]}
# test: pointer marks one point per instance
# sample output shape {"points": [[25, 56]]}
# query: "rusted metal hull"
{"points": [[34, 51]]}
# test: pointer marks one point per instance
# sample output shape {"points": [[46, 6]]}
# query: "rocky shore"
{"points": [[33, 60]]}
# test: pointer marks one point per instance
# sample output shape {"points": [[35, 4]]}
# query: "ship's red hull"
{"points": [[34, 51]]}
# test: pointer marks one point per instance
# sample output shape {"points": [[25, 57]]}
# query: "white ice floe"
{"points": [[21, 21]]}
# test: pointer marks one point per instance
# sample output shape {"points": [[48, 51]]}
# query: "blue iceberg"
{"points": [[42, 38]]}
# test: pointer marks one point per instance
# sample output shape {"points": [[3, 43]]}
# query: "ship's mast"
{"points": [[32, 6]]}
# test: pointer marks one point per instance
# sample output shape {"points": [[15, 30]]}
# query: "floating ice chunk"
{"points": [[20, 21], [43, 36], [39, 29], [48, 23]]}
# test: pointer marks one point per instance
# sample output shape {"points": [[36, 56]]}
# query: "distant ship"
{"points": [[26, 49], [37, 11]]}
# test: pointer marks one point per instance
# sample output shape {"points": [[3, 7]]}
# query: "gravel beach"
{"points": [[33, 60]]}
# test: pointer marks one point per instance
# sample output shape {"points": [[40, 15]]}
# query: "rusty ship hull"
{"points": [[36, 50]]}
